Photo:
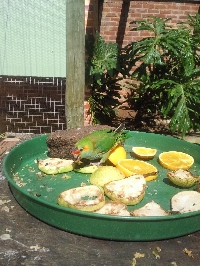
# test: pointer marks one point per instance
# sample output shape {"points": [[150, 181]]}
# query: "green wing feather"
{"points": [[101, 142]]}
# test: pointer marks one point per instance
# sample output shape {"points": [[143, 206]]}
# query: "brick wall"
{"points": [[91, 15], [115, 16]]}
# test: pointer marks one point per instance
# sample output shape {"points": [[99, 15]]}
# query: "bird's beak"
{"points": [[76, 152]]}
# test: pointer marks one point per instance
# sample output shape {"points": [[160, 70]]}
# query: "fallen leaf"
{"points": [[5, 237], [134, 262], [156, 255], [188, 252], [138, 255], [5, 208], [35, 248], [2, 202]]}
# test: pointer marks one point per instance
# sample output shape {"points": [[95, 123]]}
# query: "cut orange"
{"points": [[117, 154], [130, 167], [174, 160], [144, 153]]}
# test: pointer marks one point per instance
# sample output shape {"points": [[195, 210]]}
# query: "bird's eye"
{"points": [[81, 149]]}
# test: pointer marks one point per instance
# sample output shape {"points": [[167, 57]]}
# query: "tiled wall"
{"points": [[32, 105]]}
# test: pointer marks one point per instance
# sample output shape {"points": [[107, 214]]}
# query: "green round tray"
{"points": [[38, 194]]}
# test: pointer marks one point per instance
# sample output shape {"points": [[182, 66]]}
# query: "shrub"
{"points": [[102, 71], [166, 79]]}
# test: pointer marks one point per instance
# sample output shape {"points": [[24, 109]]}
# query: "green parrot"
{"points": [[98, 144]]}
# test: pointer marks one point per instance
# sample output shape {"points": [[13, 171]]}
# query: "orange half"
{"points": [[130, 167], [144, 153], [174, 160]]}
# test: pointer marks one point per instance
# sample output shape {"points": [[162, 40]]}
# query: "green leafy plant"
{"points": [[194, 22], [101, 78], [166, 78]]}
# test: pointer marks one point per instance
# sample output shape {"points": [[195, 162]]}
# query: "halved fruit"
{"points": [[130, 190], [87, 169], [130, 167], [174, 160], [117, 154], [183, 178], [86, 198], [114, 208], [144, 153], [53, 166], [150, 209], [186, 201], [105, 174]]}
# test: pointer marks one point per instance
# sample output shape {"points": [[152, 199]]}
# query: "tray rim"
{"points": [[88, 214]]}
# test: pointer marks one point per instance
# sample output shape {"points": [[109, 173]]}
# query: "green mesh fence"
{"points": [[33, 38]]}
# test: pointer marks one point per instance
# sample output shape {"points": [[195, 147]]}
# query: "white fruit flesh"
{"points": [[129, 191], [186, 201], [182, 178], [86, 198], [150, 209], [114, 208], [53, 166]]}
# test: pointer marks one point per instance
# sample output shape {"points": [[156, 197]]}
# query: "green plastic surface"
{"points": [[38, 194]]}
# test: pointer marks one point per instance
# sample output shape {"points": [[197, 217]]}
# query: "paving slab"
{"points": [[6, 144], [193, 138]]}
